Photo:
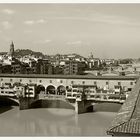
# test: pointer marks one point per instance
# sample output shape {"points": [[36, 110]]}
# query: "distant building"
{"points": [[44, 67], [16, 67], [33, 66], [58, 70], [70, 68], [6, 68], [94, 63], [74, 67]]}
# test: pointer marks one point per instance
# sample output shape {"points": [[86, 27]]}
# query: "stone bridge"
{"points": [[56, 86], [57, 82]]}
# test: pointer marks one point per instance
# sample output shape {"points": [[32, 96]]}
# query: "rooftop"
{"points": [[70, 76], [127, 121]]}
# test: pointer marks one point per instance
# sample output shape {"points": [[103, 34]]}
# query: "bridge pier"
{"points": [[25, 103], [82, 107]]}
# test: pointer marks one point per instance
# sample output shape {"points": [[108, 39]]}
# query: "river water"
{"points": [[56, 122]]}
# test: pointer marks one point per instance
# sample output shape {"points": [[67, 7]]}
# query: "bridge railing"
{"points": [[51, 96], [108, 100], [6, 94], [107, 97]]}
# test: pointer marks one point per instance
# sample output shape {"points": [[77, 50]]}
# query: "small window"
{"points": [[30, 81], [119, 83], [131, 83], [30, 89], [72, 82], [129, 89], [50, 81], [20, 80], [1, 79], [107, 83], [11, 80], [40, 81], [61, 81], [95, 83], [83, 82]]}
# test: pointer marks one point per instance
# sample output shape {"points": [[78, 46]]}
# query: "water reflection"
{"points": [[53, 122]]}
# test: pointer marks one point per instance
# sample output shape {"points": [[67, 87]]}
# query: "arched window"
{"points": [[83, 82], [50, 89], [61, 90], [40, 89]]}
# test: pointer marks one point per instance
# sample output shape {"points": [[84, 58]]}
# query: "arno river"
{"points": [[56, 122]]}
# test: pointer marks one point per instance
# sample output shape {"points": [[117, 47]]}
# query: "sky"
{"points": [[106, 30]]}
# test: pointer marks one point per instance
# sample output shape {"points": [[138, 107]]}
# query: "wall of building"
{"points": [[129, 83]]}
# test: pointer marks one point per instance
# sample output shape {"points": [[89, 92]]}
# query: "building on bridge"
{"points": [[97, 87], [79, 91], [28, 90], [57, 82]]}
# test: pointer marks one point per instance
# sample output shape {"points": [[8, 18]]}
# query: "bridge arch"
{"points": [[61, 90], [51, 89], [48, 103], [40, 89]]}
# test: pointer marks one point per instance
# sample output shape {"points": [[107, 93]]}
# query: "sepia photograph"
{"points": [[69, 69]]}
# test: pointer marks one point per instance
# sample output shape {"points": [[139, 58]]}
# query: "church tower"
{"points": [[11, 53], [91, 55]]}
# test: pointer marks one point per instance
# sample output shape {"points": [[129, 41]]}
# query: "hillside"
{"points": [[23, 52]]}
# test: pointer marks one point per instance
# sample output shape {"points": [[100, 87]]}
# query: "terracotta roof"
{"points": [[131, 127], [127, 120]]}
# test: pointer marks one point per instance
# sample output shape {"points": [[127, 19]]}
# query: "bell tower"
{"points": [[11, 53]]}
